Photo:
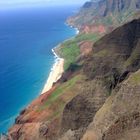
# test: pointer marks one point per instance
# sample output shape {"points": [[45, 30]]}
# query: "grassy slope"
{"points": [[64, 92], [135, 78], [51, 108], [60, 96], [70, 50]]}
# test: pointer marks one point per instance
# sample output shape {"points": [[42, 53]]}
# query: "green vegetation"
{"points": [[134, 56], [63, 93], [63, 88], [106, 21], [102, 53], [70, 50], [57, 112], [135, 78], [125, 16], [87, 37], [116, 18]]}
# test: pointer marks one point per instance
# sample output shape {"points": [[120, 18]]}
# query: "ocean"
{"points": [[27, 37]]}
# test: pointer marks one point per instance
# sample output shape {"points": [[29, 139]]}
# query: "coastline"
{"points": [[39, 86], [55, 74], [75, 28], [57, 69]]}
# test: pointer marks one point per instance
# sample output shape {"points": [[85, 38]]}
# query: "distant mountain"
{"points": [[106, 12], [107, 7]]}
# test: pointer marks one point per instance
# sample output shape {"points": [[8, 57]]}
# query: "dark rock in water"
{"points": [[3, 137]]}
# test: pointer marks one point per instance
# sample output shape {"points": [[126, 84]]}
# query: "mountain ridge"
{"points": [[106, 73], [108, 13]]}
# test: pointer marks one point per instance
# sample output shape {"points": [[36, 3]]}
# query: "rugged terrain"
{"points": [[105, 14], [98, 96], [112, 72]]}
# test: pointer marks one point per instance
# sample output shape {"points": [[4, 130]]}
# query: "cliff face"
{"points": [[108, 13], [100, 101], [119, 118], [115, 6], [114, 58]]}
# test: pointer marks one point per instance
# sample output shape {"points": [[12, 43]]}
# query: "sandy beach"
{"points": [[55, 73], [57, 69]]}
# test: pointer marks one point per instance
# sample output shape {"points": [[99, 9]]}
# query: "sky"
{"points": [[18, 3]]}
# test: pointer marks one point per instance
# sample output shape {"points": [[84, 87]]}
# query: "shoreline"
{"points": [[57, 69], [55, 73], [75, 28]]}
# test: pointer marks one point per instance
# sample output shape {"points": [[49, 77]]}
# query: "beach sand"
{"points": [[55, 74], [57, 69]]}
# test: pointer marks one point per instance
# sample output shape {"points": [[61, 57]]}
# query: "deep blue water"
{"points": [[26, 39]]}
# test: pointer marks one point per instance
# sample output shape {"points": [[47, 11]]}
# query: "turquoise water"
{"points": [[26, 39]]}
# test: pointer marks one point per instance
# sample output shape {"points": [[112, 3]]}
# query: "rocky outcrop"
{"points": [[119, 117], [116, 54], [106, 68], [78, 113]]}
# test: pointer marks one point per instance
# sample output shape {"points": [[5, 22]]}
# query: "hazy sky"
{"points": [[15, 3]]}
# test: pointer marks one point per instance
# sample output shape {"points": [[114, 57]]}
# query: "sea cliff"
{"points": [[97, 96]]}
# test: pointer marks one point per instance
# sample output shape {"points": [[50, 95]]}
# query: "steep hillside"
{"points": [[108, 13], [119, 118], [106, 69], [97, 101]]}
